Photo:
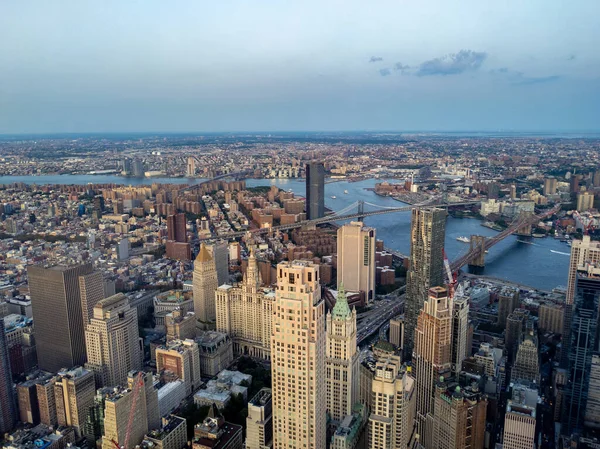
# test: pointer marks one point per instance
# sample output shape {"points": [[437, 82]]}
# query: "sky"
{"points": [[309, 65]]}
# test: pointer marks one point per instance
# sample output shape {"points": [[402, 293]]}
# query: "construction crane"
{"points": [[587, 223], [451, 277], [137, 383]]}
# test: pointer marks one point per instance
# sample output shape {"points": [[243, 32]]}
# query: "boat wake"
{"points": [[560, 252]]}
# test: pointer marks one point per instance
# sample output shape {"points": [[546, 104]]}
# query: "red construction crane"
{"points": [[451, 276], [137, 383], [587, 223]]}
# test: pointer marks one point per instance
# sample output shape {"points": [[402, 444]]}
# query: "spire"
{"points": [[203, 254], [341, 309]]}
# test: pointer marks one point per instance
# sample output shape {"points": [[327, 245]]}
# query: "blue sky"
{"points": [[243, 65]]}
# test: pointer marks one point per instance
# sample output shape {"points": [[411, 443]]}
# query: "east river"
{"points": [[540, 263]]}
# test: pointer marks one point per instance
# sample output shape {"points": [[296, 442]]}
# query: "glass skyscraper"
{"points": [[315, 190]]}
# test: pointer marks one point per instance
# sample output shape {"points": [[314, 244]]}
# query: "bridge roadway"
{"points": [[330, 218], [489, 242]]}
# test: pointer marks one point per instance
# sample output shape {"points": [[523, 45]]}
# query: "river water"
{"points": [[540, 263]]}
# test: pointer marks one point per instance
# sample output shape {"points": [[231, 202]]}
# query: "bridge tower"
{"points": [[478, 241], [524, 231], [361, 209]]}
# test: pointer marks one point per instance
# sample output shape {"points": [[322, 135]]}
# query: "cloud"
{"points": [[524, 80], [452, 64], [402, 68], [376, 59], [385, 72]]}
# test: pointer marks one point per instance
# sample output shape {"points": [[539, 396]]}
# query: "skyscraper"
{"points": [[520, 418], [315, 190], [58, 315], [244, 312], [259, 423], [427, 233], [181, 358], [220, 253], [583, 343], [8, 411], [176, 228], [205, 283], [460, 328], [74, 395], [342, 359], [393, 391], [113, 341], [298, 346], [433, 352], [527, 364], [91, 289], [356, 259]]}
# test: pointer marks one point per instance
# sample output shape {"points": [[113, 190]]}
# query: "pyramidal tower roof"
{"points": [[341, 310], [204, 254]]}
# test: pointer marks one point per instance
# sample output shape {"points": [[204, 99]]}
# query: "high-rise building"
{"points": [[392, 415], [74, 395], [427, 233], [171, 435], [180, 359], [356, 259], [259, 423], [244, 312], [397, 331], [459, 417], [190, 170], [220, 253], [527, 365], [176, 228], [550, 185], [315, 190], [460, 329], [47, 402], [583, 335], [180, 325], [585, 201], [91, 288], [298, 346], [205, 282], [113, 341], [137, 168], [520, 418], [508, 301], [514, 332], [551, 317], [592, 409], [342, 359], [117, 408], [433, 352], [8, 410], [58, 315], [27, 397]]}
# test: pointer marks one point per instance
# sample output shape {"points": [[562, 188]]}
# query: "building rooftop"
{"points": [[169, 424], [261, 398]]}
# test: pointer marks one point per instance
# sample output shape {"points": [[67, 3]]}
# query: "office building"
{"points": [[73, 395], [585, 201], [356, 259], [57, 311], [551, 317], [113, 342], [342, 359], [427, 233], [433, 352], [520, 418], [459, 417], [91, 290], [177, 228], [27, 397], [315, 190], [117, 407], [550, 186], [220, 253], [47, 401], [298, 347], [397, 331], [171, 435], [592, 409], [259, 423], [508, 301], [244, 312], [527, 366], [8, 410], [205, 283], [216, 352], [180, 359], [180, 325], [513, 335], [460, 330], [392, 415], [583, 344]]}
